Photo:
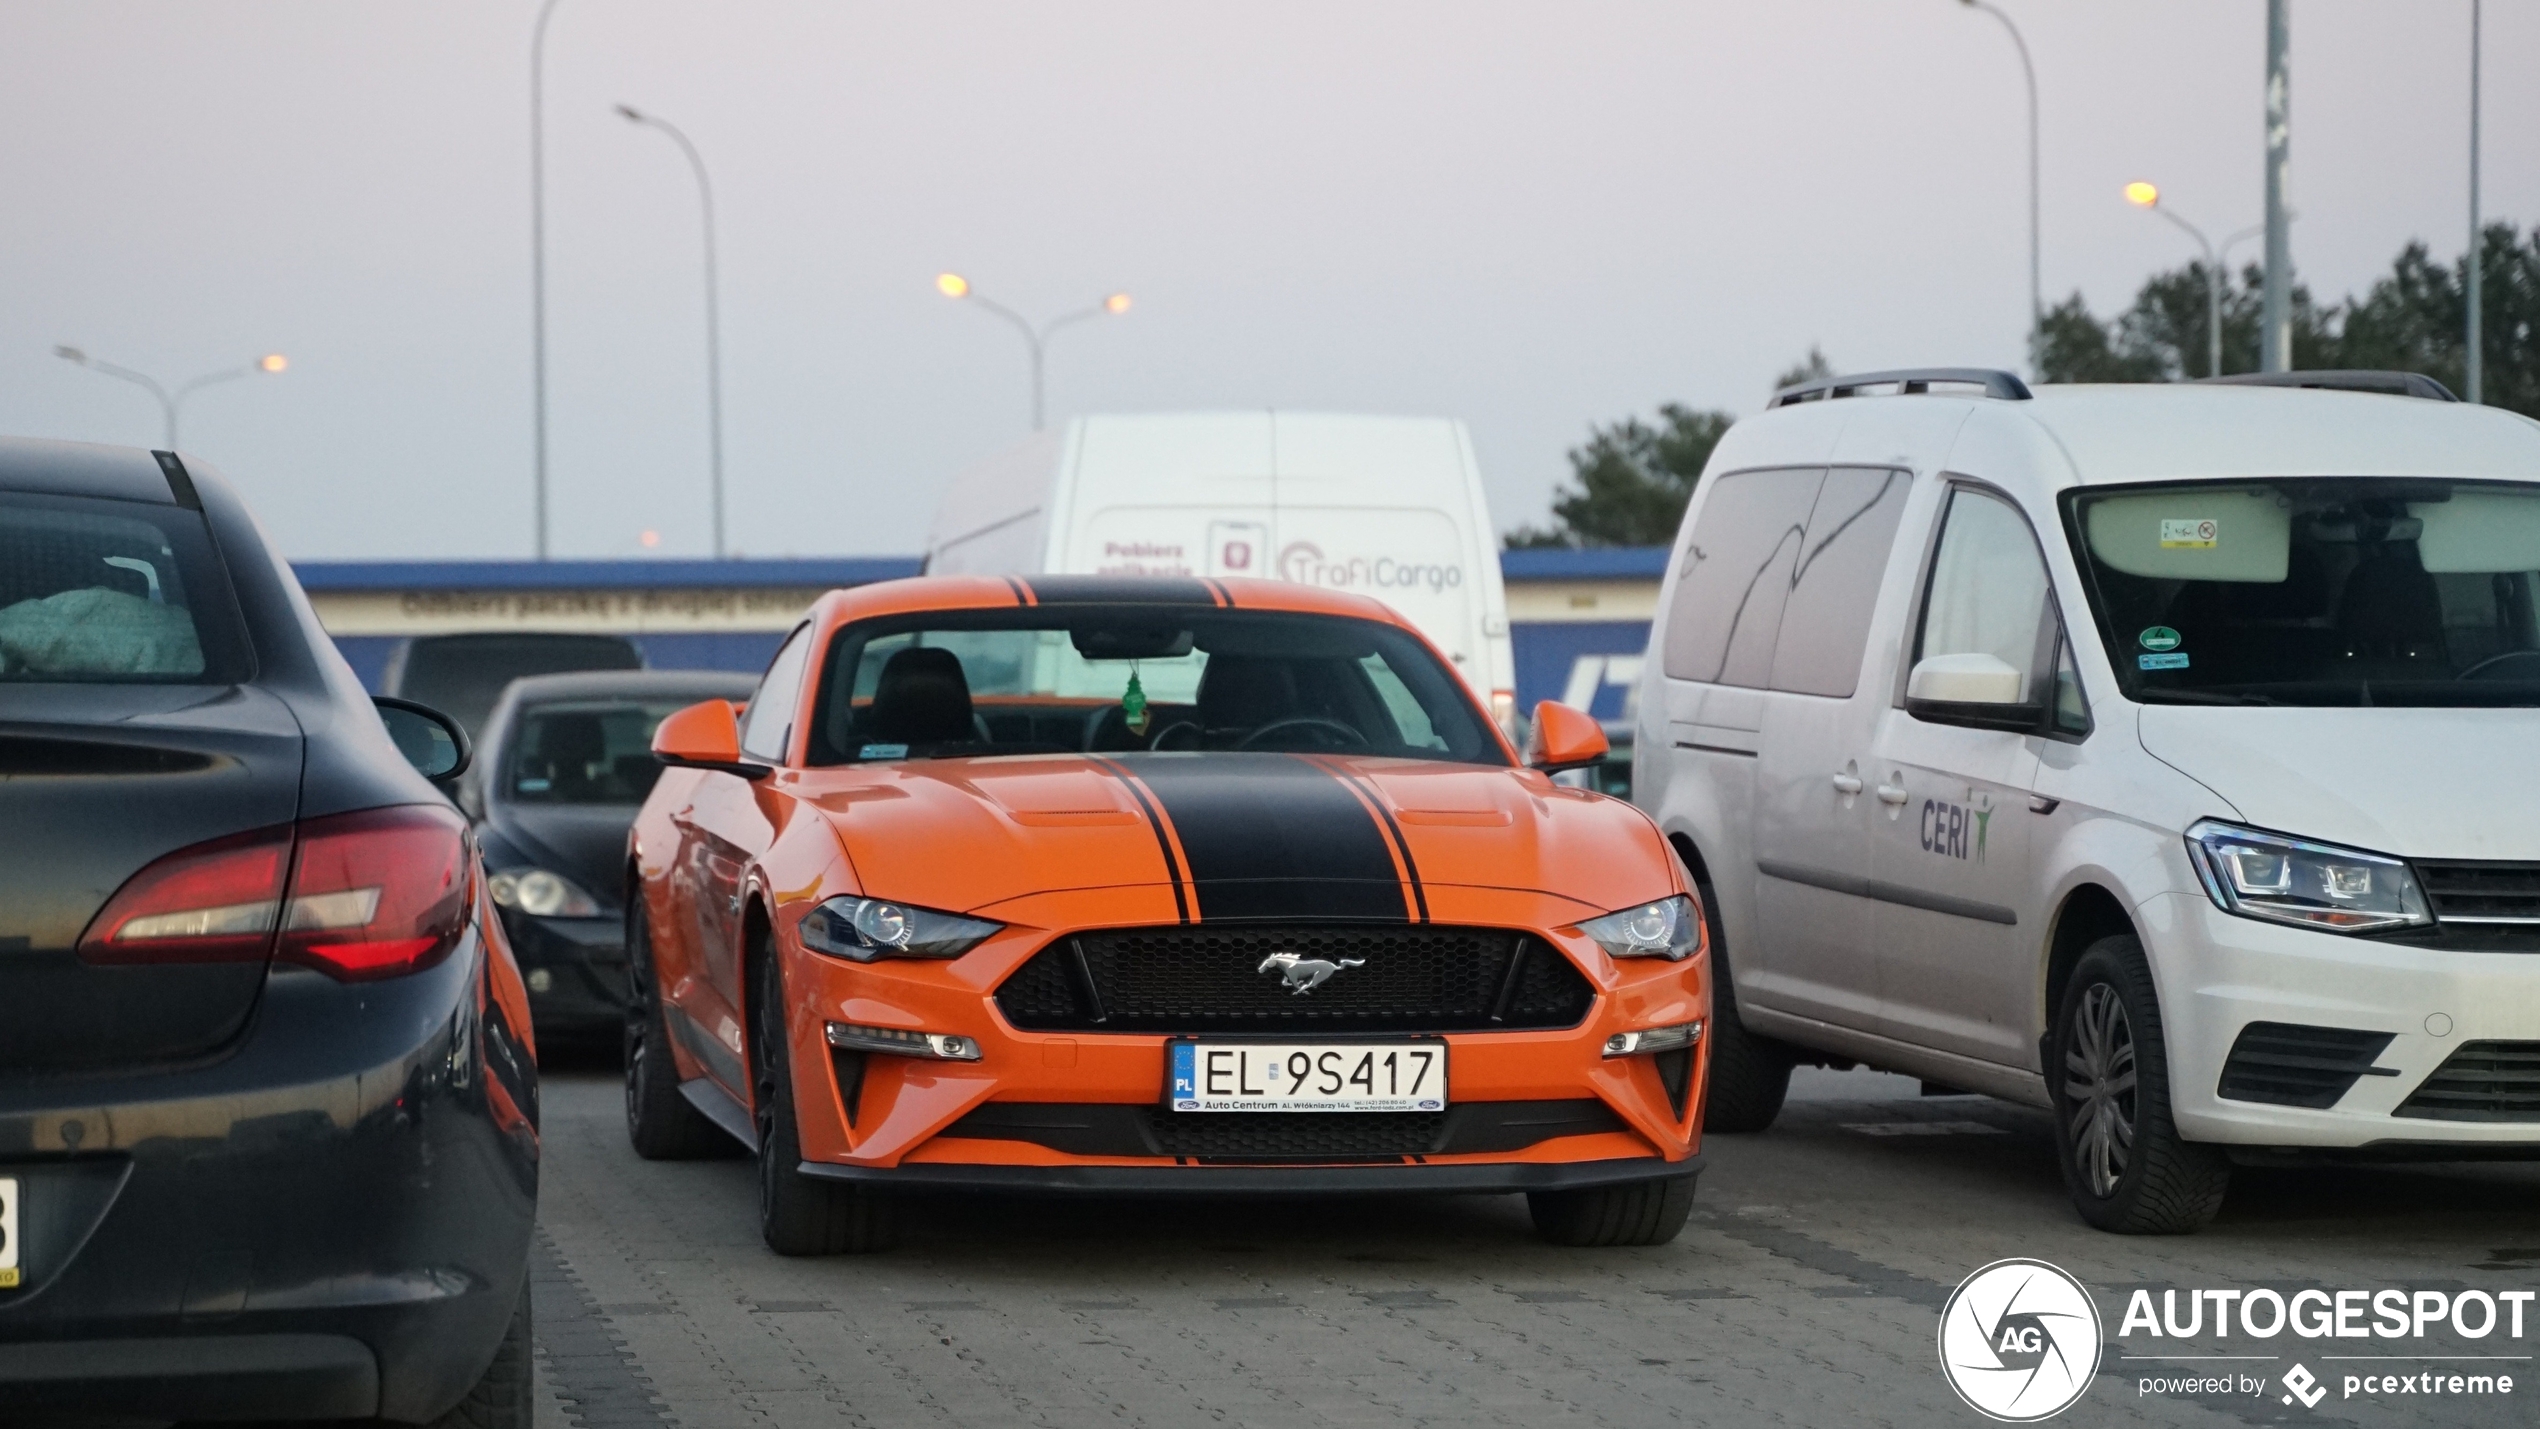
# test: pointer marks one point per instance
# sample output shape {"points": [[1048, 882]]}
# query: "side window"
{"points": [[771, 714], [1736, 573], [1988, 593], [1825, 624]]}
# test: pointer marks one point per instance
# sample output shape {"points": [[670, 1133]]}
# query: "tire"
{"points": [[798, 1214], [1643, 1213], [505, 1397], [2124, 1163], [1750, 1075], [661, 1123]]}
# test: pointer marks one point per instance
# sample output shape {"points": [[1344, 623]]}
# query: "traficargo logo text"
{"points": [[2019, 1340]]}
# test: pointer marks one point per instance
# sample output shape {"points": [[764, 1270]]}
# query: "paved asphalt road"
{"points": [[1807, 1291]]}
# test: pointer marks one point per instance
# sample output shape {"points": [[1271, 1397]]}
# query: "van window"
{"points": [[2316, 590], [1988, 588], [1736, 573], [1825, 623], [771, 714]]}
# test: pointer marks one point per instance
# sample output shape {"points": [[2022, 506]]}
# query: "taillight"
{"points": [[378, 893], [216, 902], [370, 895]]}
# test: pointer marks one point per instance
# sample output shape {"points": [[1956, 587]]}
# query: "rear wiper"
{"points": [[2198, 697]]}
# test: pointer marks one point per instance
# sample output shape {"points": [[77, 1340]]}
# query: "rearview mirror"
{"points": [[431, 741], [1564, 738], [705, 735], [1973, 689]]}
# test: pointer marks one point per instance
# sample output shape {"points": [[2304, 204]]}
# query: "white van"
{"points": [[2160, 755], [1389, 507]]}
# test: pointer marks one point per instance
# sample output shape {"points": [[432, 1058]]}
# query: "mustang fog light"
{"points": [[1656, 1039], [937, 1046]]}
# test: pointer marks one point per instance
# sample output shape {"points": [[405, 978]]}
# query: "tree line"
{"points": [[1630, 481]]}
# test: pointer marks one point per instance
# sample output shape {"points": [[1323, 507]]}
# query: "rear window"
{"points": [[95, 591]]}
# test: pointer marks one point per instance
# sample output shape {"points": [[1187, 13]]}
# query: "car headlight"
{"points": [[1670, 928], [541, 894], [863, 929], [2288, 880]]}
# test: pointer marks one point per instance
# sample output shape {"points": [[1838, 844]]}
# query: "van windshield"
{"points": [[1132, 679], [2316, 590]]}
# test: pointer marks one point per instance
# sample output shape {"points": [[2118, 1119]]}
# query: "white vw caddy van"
{"points": [[2161, 755]]}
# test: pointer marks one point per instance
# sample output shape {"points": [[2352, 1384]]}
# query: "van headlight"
{"points": [[1670, 928], [863, 929], [2288, 880]]}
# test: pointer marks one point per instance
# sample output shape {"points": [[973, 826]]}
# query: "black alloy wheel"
{"points": [[798, 1214], [2124, 1163], [660, 1122]]}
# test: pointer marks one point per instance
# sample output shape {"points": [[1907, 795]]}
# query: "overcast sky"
{"points": [[1533, 217]]}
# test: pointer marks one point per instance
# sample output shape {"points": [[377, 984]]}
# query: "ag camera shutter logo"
{"points": [[2019, 1341]]}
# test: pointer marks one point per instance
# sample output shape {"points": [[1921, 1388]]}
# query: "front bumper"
{"points": [[575, 968], [2217, 973], [1499, 1178], [332, 1220]]}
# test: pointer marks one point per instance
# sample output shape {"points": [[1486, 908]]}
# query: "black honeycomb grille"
{"points": [[1199, 979], [2462, 890], [2484, 1081], [1295, 1135]]}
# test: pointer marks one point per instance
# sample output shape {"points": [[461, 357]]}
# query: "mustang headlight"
{"points": [[863, 929], [2287, 880], [541, 894], [1670, 928]]}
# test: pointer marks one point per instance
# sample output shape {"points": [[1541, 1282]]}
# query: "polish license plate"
{"points": [[1308, 1076], [9, 1270]]}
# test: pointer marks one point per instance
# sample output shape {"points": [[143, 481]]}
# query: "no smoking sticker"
{"points": [[2192, 534]]}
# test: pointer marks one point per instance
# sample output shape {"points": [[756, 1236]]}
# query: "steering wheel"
{"points": [[1351, 737], [2508, 659], [1170, 730]]}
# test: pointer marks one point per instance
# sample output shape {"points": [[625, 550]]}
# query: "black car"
{"points": [[268, 1108], [463, 675], [566, 761]]}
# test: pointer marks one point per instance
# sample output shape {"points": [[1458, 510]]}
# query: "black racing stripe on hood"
{"points": [[1410, 865], [1119, 590], [1272, 836], [1155, 824]]}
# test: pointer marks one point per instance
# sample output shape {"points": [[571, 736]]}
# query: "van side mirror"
{"points": [[1972, 689], [1564, 738], [431, 741], [705, 735]]}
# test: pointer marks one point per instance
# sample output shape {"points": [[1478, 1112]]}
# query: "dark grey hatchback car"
{"points": [[268, 1103]]}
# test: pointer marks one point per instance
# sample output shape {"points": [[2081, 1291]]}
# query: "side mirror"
{"points": [[431, 741], [1973, 689], [705, 736], [1564, 738]]}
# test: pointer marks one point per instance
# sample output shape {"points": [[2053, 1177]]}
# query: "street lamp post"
{"points": [[538, 258], [953, 285], [714, 326], [2143, 195], [2036, 299], [2275, 319], [2475, 371], [172, 402]]}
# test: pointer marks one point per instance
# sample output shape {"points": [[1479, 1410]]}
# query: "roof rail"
{"points": [[2344, 379], [1908, 381]]}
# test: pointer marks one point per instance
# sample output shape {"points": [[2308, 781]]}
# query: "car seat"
{"points": [[2391, 616], [1241, 693], [572, 748], [922, 698]]}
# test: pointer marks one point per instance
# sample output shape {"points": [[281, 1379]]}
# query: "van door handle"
{"points": [[1892, 794], [1847, 784]]}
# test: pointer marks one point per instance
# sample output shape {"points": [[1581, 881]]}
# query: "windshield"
{"points": [[585, 752], [98, 591], [1138, 678], [2317, 591]]}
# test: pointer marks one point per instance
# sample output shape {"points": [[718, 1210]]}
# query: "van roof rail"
{"points": [[2344, 379], [1908, 381]]}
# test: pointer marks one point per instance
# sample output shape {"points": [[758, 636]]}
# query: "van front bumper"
{"points": [[2218, 972]]}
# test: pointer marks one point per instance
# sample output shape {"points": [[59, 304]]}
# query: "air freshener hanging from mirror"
{"points": [[1133, 704]]}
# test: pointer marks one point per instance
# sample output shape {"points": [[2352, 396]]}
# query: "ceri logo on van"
{"points": [[1957, 830]]}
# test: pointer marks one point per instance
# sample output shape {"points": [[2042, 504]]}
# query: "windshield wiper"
{"points": [[2199, 697]]}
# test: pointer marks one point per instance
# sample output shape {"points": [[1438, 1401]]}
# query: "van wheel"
{"points": [[1643, 1213], [798, 1214], [1750, 1075], [2124, 1162], [659, 1121]]}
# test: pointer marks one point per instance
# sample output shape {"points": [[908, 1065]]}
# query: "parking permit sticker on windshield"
{"points": [[883, 751], [2175, 660], [2158, 637], [2192, 534]]}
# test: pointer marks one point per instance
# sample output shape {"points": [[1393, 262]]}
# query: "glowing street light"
{"points": [[953, 285], [2145, 195], [714, 318], [272, 364]]}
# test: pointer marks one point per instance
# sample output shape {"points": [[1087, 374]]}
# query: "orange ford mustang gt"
{"points": [[1152, 885]]}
